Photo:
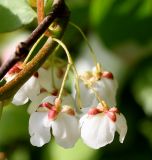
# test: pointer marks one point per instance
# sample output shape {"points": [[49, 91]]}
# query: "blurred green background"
{"points": [[120, 32]]}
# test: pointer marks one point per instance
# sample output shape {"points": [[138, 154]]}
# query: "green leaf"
{"points": [[47, 4], [15, 14]]}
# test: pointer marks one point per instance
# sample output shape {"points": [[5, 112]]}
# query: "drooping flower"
{"points": [[48, 80], [67, 99], [31, 89], [63, 124], [102, 84], [99, 125]]}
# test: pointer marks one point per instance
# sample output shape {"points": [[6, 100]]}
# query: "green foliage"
{"points": [[142, 85], [13, 125], [20, 153], [120, 21], [99, 9], [146, 130], [47, 4], [15, 14]]}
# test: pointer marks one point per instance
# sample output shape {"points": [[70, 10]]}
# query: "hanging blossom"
{"points": [[101, 82], [99, 124], [41, 80], [32, 87], [66, 99], [60, 120]]}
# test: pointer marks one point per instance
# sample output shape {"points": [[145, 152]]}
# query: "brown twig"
{"points": [[23, 48]]}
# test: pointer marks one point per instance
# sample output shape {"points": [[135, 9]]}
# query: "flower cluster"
{"points": [[60, 116]]}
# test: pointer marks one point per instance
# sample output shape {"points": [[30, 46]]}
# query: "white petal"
{"points": [[56, 81], [49, 99], [45, 79], [97, 131], [38, 132], [66, 130], [83, 119], [28, 91], [20, 97], [87, 96], [121, 125], [107, 88], [36, 102], [83, 64], [32, 88]]}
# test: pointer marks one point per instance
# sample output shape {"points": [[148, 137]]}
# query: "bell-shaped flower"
{"points": [[31, 89], [62, 122], [98, 126], [97, 83], [67, 99]]}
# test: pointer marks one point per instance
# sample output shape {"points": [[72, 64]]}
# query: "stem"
{"points": [[31, 51], [65, 49], [64, 80], [68, 66], [52, 78], [98, 97], [58, 10], [85, 38], [96, 94], [40, 11], [70, 61]]}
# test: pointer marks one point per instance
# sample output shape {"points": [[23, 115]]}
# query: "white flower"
{"points": [[64, 125], [47, 80], [31, 89], [98, 127], [66, 100], [103, 83]]}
